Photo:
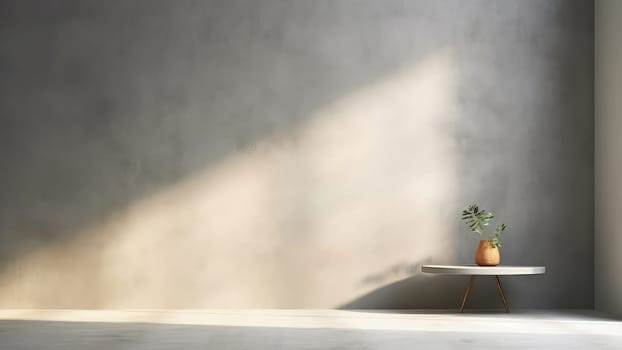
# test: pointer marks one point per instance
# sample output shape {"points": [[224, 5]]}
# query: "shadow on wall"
{"points": [[257, 154], [404, 286], [222, 158], [527, 153], [268, 227], [421, 291]]}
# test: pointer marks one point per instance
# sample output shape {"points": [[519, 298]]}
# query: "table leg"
{"points": [[468, 291], [505, 303]]}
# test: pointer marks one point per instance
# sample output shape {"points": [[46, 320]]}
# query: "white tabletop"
{"points": [[483, 270]]}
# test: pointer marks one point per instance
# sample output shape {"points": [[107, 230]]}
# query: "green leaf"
{"points": [[500, 229], [476, 219]]}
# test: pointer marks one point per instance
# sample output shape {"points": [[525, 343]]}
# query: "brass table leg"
{"points": [[505, 303], [468, 291]]}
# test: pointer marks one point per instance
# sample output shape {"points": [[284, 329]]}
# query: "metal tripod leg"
{"points": [[468, 291], [505, 303]]}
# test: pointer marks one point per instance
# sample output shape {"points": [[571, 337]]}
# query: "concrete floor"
{"points": [[304, 329]]}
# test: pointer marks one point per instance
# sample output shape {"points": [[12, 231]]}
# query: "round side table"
{"points": [[475, 270]]}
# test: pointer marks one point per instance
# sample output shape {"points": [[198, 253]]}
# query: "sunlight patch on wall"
{"points": [[300, 220]]}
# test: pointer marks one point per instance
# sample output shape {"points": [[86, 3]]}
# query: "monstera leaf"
{"points": [[476, 219]]}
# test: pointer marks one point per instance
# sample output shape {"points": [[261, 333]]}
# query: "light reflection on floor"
{"points": [[305, 329]]}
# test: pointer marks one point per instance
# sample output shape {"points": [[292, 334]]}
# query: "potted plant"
{"points": [[477, 219]]}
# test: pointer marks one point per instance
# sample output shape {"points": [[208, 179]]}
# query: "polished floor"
{"points": [[304, 329]]}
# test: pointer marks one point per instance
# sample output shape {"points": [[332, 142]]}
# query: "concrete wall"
{"points": [[292, 153], [608, 240]]}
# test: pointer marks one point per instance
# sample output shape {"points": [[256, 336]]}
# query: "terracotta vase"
{"points": [[487, 254]]}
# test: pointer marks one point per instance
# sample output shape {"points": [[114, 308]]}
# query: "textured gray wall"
{"points": [[292, 153], [608, 236]]}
